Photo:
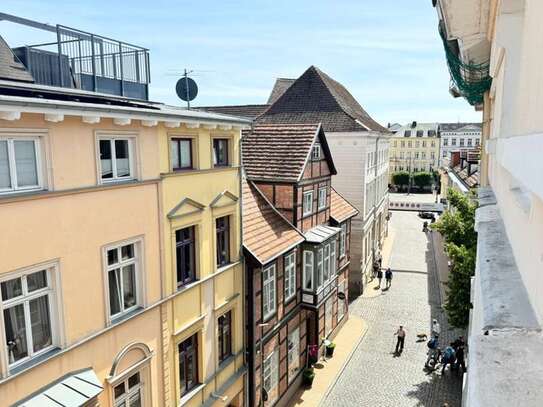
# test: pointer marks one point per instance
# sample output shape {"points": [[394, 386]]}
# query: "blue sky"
{"points": [[387, 53]]}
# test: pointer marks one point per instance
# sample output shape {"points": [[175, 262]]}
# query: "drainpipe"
{"points": [[243, 269]]}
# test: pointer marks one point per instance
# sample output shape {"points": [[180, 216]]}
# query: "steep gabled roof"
{"points": [[315, 97], [246, 111], [280, 152], [280, 86], [340, 208], [266, 233]]}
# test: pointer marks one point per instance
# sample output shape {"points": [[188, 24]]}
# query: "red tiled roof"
{"points": [[278, 152], [340, 208], [266, 234]]}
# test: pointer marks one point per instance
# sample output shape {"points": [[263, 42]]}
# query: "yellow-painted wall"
{"points": [[214, 192]]}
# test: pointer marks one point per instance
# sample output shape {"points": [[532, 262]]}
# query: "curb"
{"points": [[349, 357]]}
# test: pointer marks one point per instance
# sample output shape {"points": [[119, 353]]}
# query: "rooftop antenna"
{"points": [[186, 88]]}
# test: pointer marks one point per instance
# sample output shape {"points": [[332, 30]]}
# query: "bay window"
{"points": [[308, 270], [268, 291], [333, 259], [320, 269], [326, 263], [28, 308], [20, 168], [342, 239]]}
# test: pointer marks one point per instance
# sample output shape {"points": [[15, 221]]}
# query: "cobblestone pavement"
{"points": [[374, 376]]}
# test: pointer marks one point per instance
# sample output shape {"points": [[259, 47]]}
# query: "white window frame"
{"points": [[316, 152], [56, 319], [320, 267], [333, 259], [290, 275], [138, 262], [270, 371], [342, 240], [269, 301], [12, 164], [131, 157], [307, 210], [293, 354], [322, 198], [124, 399], [326, 272], [308, 267]]}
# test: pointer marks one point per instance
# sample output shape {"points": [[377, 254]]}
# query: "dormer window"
{"points": [[420, 133], [407, 133], [316, 152]]}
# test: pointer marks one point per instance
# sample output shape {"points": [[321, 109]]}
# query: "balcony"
{"points": [[81, 60]]}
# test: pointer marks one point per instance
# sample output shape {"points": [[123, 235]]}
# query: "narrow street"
{"points": [[374, 376]]}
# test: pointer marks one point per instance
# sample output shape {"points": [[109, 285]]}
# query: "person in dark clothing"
{"points": [[400, 333], [460, 361], [379, 276], [388, 277]]}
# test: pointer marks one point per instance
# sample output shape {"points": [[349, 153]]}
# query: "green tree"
{"points": [[457, 227], [422, 179], [400, 178]]}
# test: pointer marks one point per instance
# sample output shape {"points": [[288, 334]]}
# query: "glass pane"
{"points": [[40, 323], [5, 178], [122, 158], [135, 400], [133, 380], [129, 286], [182, 374], [119, 390], [185, 154], [127, 252], [11, 289], [105, 159], [174, 153], [114, 291], [112, 256], [36, 281], [25, 163], [14, 325]]}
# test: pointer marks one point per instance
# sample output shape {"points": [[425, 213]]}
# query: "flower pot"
{"points": [[308, 377], [330, 350]]}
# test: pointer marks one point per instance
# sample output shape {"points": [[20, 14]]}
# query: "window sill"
{"points": [[190, 394], [21, 192], [33, 362], [226, 266], [123, 317], [226, 361]]}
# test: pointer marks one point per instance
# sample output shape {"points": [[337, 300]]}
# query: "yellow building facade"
{"points": [[414, 148], [91, 309]]}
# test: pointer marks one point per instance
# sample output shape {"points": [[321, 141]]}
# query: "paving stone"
{"points": [[373, 376]]}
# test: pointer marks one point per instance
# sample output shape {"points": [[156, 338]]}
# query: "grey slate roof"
{"points": [[456, 126], [246, 111], [10, 67], [281, 85], [315, 97]]}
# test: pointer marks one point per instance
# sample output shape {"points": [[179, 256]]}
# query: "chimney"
{"points": [[413, 125]]}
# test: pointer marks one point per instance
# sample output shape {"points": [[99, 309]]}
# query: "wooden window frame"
{"points": [[191, 241]]}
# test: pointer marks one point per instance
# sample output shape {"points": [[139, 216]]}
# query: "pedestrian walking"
{"points": [[460, 360], [400, 333], [379, 276], [388, 277], [436, 329]]}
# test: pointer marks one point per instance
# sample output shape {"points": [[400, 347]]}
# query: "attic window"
{"points": [[420, 133], [316, 152], [431, 133], [407, 133]]}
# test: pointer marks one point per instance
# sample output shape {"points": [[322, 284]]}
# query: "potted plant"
{"points": [[308, 376], [330, 349]]}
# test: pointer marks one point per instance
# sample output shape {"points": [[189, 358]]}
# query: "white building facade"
{"points": [[458, 137], [505, 359]]}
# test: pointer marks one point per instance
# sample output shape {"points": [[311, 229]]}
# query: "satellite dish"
{"points": [[186, 89]]}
